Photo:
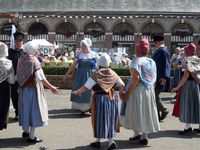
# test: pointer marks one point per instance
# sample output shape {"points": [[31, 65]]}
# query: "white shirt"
{"points": [[39, 75]]}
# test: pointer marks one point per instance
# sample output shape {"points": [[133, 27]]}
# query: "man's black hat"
{"points": [[19, 36], [158, 37]]}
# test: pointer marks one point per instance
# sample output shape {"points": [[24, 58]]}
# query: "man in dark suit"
{"points": [[14, 55], [161, 57]]}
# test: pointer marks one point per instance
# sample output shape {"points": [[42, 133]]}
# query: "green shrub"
{"points": [[50, 70], [54, 70]]}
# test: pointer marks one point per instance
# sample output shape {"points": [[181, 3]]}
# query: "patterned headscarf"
{"points": [[143, 46], [6, 68], [190, 49]]}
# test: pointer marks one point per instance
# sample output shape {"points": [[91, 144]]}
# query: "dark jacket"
{"points": [[161, 57]]}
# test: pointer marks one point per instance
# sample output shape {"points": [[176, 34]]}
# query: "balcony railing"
{"points": [[126, 38], [64, 37], [95, 39], [4, 37], [39, 36], [177, 38], [148, 37]]}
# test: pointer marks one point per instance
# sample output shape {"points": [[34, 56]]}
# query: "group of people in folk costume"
{"points": [[141, 103]]}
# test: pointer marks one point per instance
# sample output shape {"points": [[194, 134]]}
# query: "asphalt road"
{"points": [[68, 131]]}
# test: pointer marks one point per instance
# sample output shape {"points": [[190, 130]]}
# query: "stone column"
{"points": [[80, 36], [52, 37], [108, 40], [167, 40]]}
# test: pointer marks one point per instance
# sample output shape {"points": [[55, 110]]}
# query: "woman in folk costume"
{"points": [[105, 118], [141, 111], [6, 77], [84, 63], [190, 95], [33, 110]]}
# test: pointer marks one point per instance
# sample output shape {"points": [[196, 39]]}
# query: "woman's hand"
{"points": [[76, 92], [67, 77], [54, 90], [125, 96], [174, 90]]}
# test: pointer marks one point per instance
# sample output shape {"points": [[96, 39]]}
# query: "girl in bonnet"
{"points": [[33, 110], [105, 115]]}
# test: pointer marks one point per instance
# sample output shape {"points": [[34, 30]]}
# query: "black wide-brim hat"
{"points": [[158, 37], [19, 36]]}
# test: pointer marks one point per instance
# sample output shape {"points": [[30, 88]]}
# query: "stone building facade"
{"points": [[107, 24]]}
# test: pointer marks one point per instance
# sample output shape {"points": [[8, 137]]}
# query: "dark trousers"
{"points": [[160, 106], [14, 97]]}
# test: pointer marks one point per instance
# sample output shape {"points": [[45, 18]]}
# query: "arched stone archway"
{"points": [[123, 28], [94, 29], [5, 31], [123, 32], [65, 30], [182, 34], [37, 28], [151, 28], [123, 38], [182, 29]]}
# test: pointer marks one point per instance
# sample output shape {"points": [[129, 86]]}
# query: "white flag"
{"points": [[12, 37]]}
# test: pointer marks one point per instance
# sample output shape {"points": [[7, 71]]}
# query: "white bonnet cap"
{"points": [[30, 47], [3, 50], [87, 42], [104, 60]]}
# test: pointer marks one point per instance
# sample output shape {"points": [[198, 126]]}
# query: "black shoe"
{"points": [[144, 142], [136, 138], [95, 144], [25, 135], [197, 130], [82, 114], [164, 115], [185, 131], [16, 118], [35, 140], [112, 146]]}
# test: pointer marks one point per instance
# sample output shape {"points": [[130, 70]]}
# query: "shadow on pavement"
{"points": [[172, 134], [122, 144], [66, 113], [13, 143]]}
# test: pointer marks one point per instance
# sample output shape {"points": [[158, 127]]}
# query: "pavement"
{"points": [[66, 130]]}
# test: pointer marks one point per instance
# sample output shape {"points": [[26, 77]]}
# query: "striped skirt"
{"points": [[190, 103], [105, 116]]}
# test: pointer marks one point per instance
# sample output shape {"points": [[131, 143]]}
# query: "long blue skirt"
{"points": [[105, 116], [29, 115], [190, 103]]}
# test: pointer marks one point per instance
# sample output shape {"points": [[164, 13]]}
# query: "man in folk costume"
{"points": [[33, 111], [161, 57], [14, 54], [6, 77], [105, 119]]}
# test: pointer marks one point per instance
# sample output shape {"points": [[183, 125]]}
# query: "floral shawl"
{"points": [[146, 69], [26, 68], [105, 77]]}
